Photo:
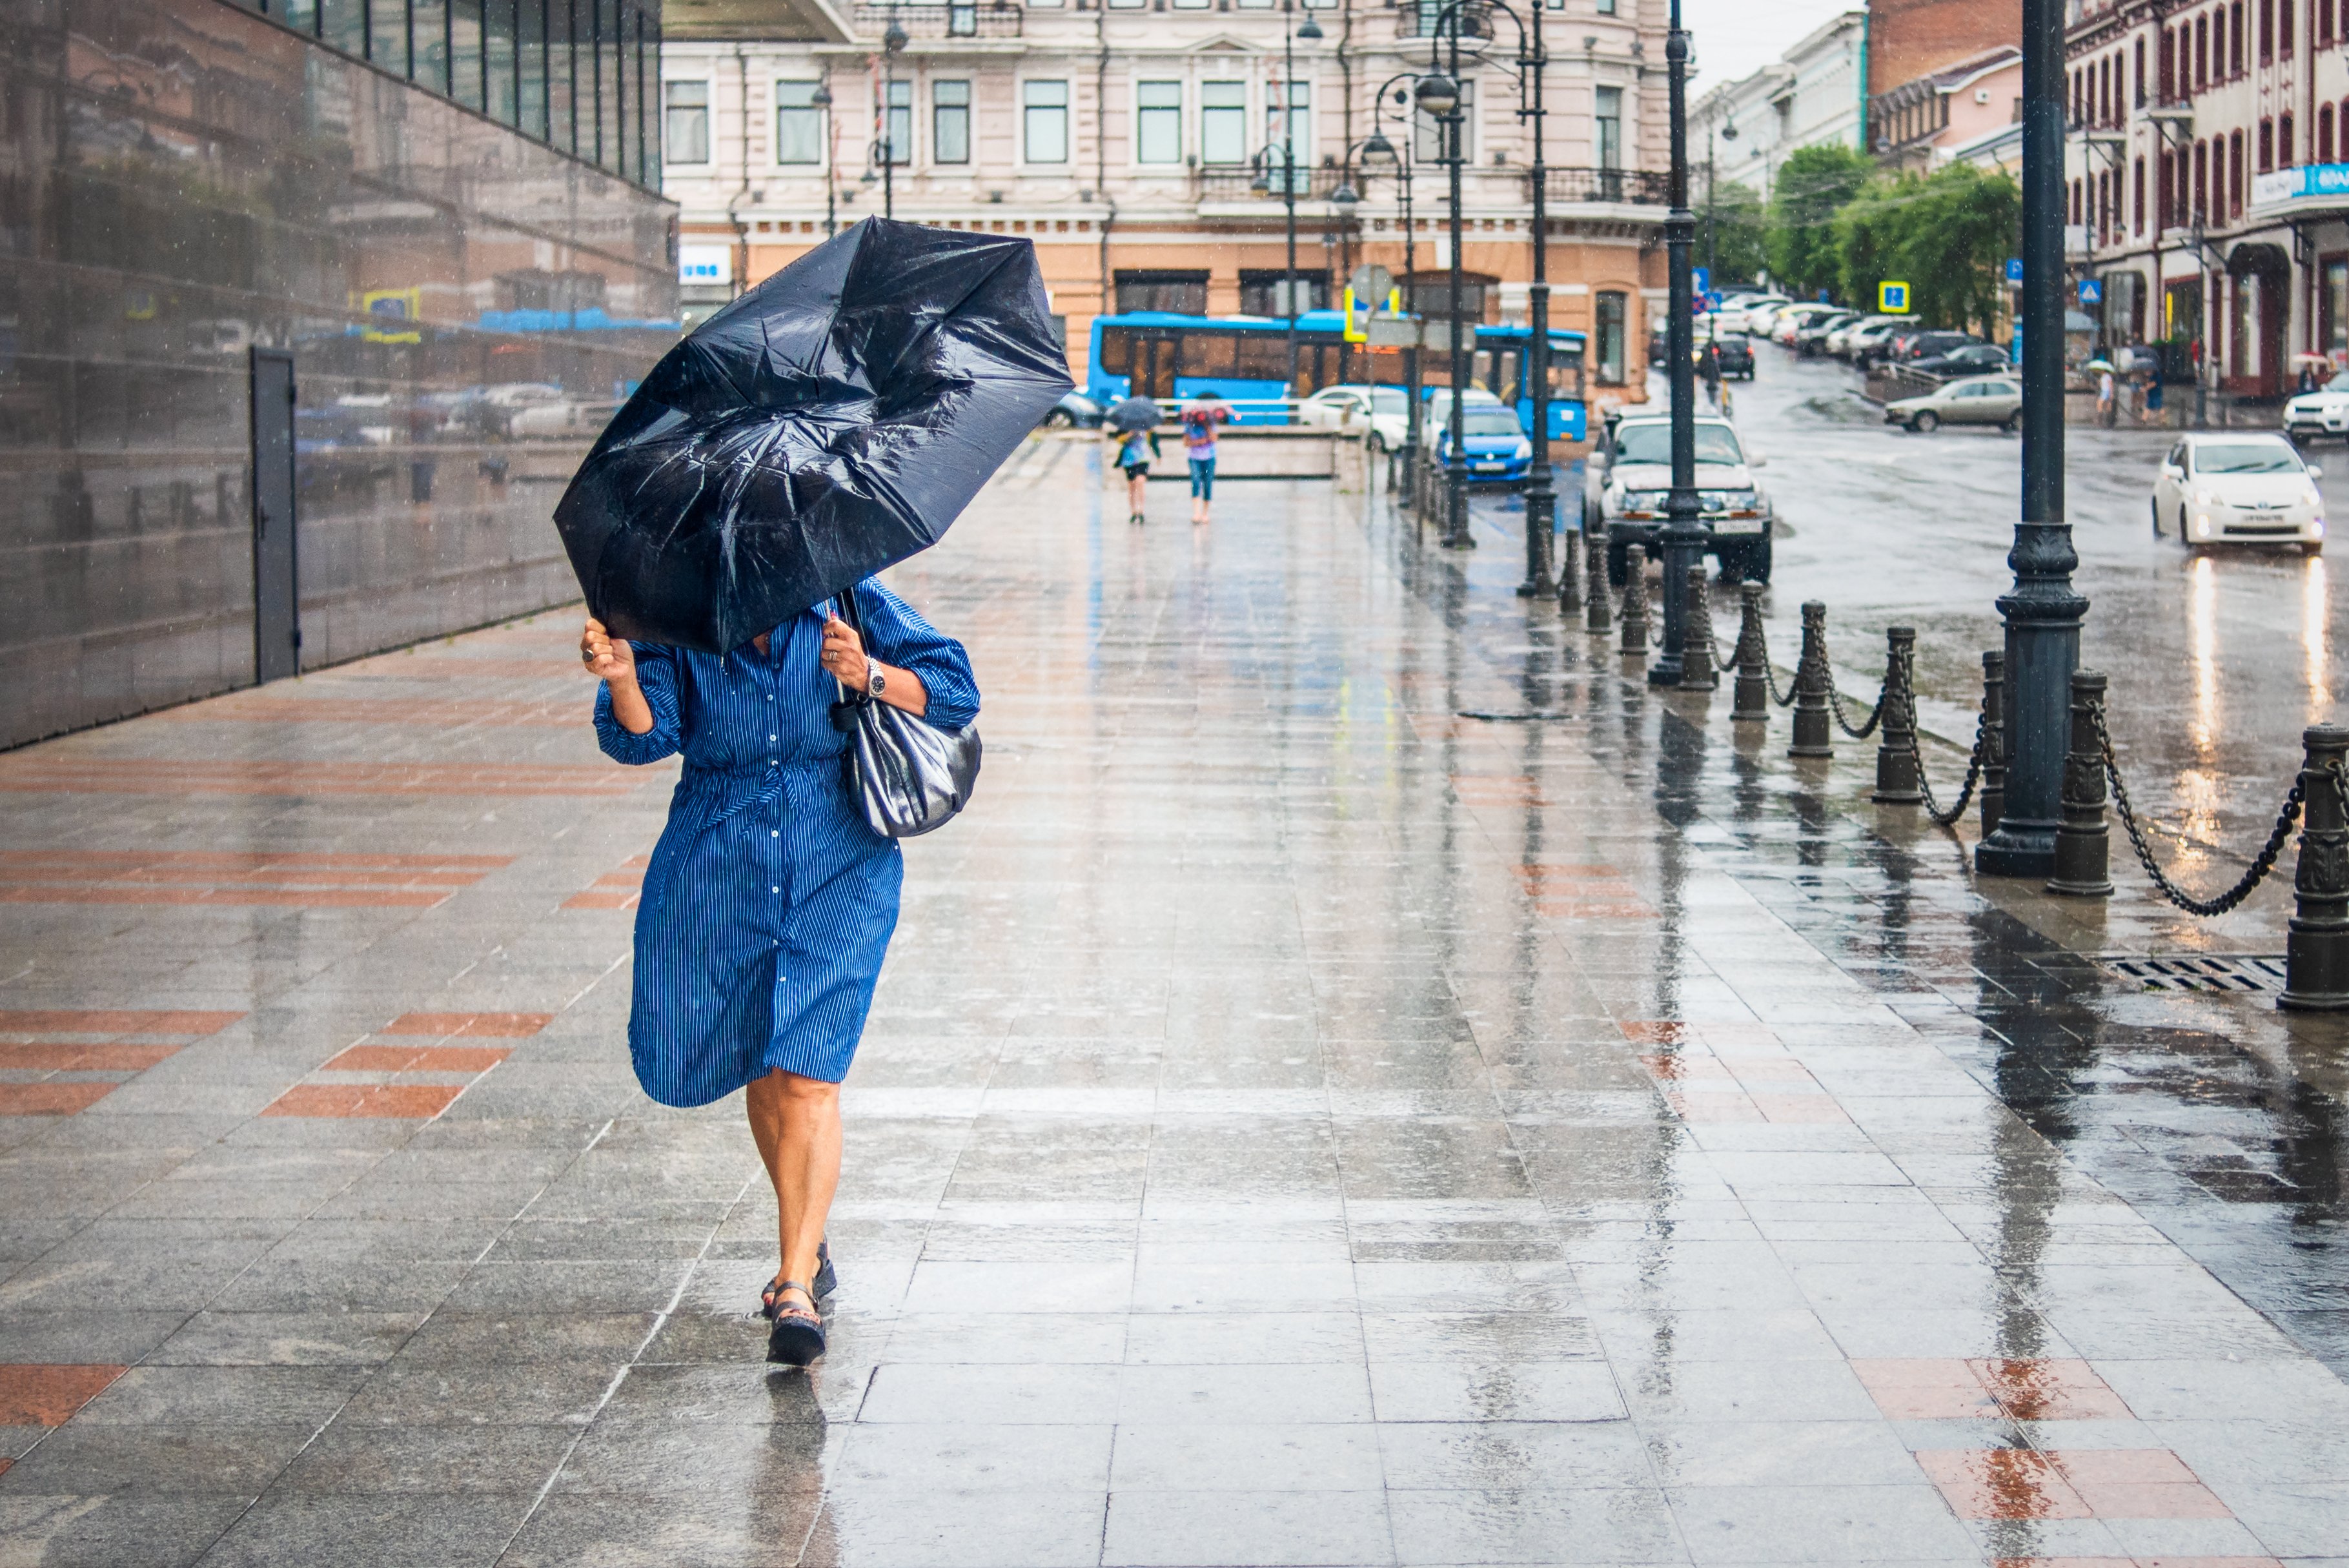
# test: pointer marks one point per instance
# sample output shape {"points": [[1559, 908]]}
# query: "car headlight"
{"points": [[1523, 448], [2206, 497]]}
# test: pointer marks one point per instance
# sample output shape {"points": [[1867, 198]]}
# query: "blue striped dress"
{"points": [[768, 903]]}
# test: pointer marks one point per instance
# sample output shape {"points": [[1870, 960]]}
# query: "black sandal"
{"points": [[797, 1339], [826, 1281]]}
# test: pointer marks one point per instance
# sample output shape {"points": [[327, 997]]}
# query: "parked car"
{"points": [[1863, 342], [1073, 411], [1736, 356], [1752, 314], [1914, 346], [1353, 406], [1794, 317], [2324, 412], [1971, 359], [1492, 442], [1976, 401], [2239, 488], [1809, 338], [1631, 473]]}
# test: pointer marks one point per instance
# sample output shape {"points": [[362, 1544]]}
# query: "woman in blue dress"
{"points": [[768, 903]]}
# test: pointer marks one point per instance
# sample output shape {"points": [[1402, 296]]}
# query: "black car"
{"points": [[1811, 338], [1916, 346], [1736, 355], [1966, 360]]}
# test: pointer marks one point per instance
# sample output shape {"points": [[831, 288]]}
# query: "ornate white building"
{"points": [[1142, 144], [1814, 94]]}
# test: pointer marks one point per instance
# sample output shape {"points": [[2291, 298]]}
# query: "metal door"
{"points": [[276, 618], [1154, 367]]}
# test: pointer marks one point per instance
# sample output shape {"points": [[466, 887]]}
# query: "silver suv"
{"points": [[1629, 478]]}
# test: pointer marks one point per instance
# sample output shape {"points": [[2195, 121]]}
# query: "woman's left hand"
{"points": [[843, 656]]}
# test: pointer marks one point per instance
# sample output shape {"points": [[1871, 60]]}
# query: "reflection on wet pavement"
{"points": [[1300, 1124]]}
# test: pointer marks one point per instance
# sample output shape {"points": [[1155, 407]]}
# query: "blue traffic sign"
{"points": [[2014, 269], [2091, 292], [1702, 276]]}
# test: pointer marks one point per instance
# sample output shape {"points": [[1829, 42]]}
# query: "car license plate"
{"points": [[1491, 467], [1738, 525]]}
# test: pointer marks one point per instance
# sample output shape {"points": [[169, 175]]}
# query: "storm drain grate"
{"points": [[2200, 971]]}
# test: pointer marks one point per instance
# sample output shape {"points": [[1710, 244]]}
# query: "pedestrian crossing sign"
{"points": [[1892, 300]]}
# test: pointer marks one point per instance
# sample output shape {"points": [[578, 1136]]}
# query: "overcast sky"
{"points": [[1736, 37]]}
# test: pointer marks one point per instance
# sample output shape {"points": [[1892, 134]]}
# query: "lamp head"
{"points": [[1437, 93], [1378, 152], [1345, 195], [1729, 130], [893, 39], [821, 97], [1262, 182], [1310, 33]]}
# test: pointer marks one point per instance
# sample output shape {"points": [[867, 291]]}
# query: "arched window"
{"points": [[2267, 32], [2235, 39], [2234, 174], [2267, 145], [2202, 180], [2136, 73], [2136, 198], [2167, 65], [2324, 133], [2287, 147], [2284, 27], [2201, 52]]}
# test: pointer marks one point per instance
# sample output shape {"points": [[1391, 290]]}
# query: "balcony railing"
{"points": [[1238, 184], [1423, 19], [979, 19], [1642, 186]]}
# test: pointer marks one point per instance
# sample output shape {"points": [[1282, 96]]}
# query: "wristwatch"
{"points": [[875, 682]]}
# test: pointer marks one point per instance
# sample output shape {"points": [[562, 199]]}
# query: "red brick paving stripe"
{"points": [[2076, 1483], [233, 898], [111, 1021], [496, 1026], [561, 666], [221, 860], [2050, 1389], [57, 1098], [2137, 1483], [419, 1059], [2000, 1483], [422, 1101], [166, 776], [431, 711], [36, 1394], [61, 1056], [2135, 1563], [190, 875], [618, 890]]}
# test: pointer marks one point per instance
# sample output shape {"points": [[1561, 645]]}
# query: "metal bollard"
{"points": [[2083, 842], [1896, 774], [1697, 672], [1813, 735], [1751, 703], [1598, 600], [1635, 603], [1569, 572], [2317, 949], [1993, 767]]}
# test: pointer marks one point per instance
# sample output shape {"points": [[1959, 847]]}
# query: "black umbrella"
{"points": [[831, 421], [1133, 414]]}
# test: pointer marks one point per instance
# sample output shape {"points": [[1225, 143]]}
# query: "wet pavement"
{"points": [[1300, 1124]]}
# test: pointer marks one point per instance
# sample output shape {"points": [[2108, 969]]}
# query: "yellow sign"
{"points": [[1358, 316], [387, 307], [1892, 300]]}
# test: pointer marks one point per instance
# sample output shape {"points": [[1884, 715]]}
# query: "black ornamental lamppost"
{"points": [[1438, 95], [821, 100], [893, 44], [1682, 538], [1379, 152], [1311, 34], [2043, 612]]}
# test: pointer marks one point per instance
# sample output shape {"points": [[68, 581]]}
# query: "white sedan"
{"points": [[2239, 488], [1353, 406]]}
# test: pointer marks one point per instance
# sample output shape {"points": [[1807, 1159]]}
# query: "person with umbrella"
{"points": [[725, 528], [1199, 421], [1134, 423]]}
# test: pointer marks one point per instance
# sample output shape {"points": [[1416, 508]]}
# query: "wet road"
{"points": [[1300, 1124]]}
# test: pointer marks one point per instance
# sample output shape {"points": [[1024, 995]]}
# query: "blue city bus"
{"points": [[1245, 358]]}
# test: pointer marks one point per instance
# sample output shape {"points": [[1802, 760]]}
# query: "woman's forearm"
{"points": [[629, 708], [904, 689]]}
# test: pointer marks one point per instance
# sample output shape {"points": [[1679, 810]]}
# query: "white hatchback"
{"points": [[2238, 488]]}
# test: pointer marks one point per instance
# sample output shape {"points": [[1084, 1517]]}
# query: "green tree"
{"points": [[1812, 186], [1955, 232], [1866, 235], [1731, 228]]}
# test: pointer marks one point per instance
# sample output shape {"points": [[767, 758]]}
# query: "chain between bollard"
{"points": [[2251, 880], [1973, 773], [1835, 706]]}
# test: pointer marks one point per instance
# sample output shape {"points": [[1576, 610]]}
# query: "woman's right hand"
{"points": [[607, 658]]}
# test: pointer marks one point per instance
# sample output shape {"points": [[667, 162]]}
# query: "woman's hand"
{"points": [[843, 655], [611, 660], [607, 657]]}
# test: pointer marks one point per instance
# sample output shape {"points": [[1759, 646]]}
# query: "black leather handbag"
{"points": [[908, 775]]}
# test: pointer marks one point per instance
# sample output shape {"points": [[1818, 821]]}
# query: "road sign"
{"points": [[2014, 271], [1372, 282], [2091, 292], [1702, 277], [1892, 300], [1410, 332]]}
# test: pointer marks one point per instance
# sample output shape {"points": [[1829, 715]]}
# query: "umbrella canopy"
{"points": [[2097, 365], [831, 421], [1134, 414]]}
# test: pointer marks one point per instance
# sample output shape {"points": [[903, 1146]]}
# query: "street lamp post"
{"points": [[820, 99], [2043, 612], [1310, 33], [1683, 539], [893, 44], [1379, 151], [1541, 497], [1439, 97]]}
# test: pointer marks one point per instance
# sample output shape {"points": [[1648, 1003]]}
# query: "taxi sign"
{"points": [[1892, 300]]}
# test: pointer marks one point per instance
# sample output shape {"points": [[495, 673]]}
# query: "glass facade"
{"points": [[194, 189]]}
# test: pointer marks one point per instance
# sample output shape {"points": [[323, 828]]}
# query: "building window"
{"points": [[799, 123], [2203, 180], [2324, 133], [1429, 294], [1182, 293], [1044, 121], [1223, 122], [1606, 132], [950, 121], [2235, 39], [2202, 52], [2284, 28], [2166, 65], [2137, 74], [2235, 174], [1158, 123], [686, 128], [2267, 32], [1608, 323], [2267, 145], [2287, 148], [2137, 197], [1427, 131], [1290, 136], [2333, 304], [897, 132], [1273, 292], [2324, 24]]}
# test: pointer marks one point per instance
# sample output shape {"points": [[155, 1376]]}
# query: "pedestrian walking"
{"points": [[2104, 404], [768, 903], [2153, 414], [1199, 421], [1134, 449]]}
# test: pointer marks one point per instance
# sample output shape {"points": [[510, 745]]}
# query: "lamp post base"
{"points": [[2018, 849]]}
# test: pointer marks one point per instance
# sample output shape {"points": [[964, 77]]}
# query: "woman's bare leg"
{"points": [[1134, 486], [796, 1124]]}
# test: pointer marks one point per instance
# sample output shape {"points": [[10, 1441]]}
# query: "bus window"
{"points": [[1117, 350], [1209, 353], [1154, 366], [1263, 356]]}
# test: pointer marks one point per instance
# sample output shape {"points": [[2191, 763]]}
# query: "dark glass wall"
{"points": [[183, 182]]}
